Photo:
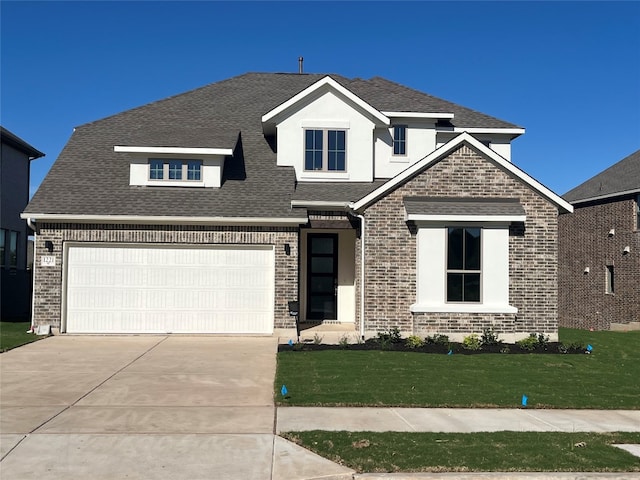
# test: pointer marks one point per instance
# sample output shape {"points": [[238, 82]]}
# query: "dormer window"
{"points": [[325, 150], [175, 170], [400, 140]]}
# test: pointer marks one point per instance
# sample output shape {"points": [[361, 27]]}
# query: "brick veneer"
{"points": [[584, 241], [48, 289], [390, 246]]}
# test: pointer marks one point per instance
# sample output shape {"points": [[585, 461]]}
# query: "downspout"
{"points": [[32, 226], [362, 271]]}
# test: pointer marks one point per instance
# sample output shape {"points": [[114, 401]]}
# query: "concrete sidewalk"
{"points": [[462, 420]]}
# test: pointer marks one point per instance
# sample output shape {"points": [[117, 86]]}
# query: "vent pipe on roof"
{"points": [[300, 62]]}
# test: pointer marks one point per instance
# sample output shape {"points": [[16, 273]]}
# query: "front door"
{"points": [[322, 276]]}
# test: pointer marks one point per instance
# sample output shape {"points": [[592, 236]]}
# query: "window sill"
{"points": [[399, 159], [462, 308], [176, 183], [324, 175]]}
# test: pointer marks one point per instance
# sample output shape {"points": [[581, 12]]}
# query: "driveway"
{"points": [[105, 407]]}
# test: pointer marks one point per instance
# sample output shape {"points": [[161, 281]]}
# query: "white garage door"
{"points": [[169, 289]]}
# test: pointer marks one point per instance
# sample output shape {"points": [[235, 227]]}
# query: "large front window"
{"points": [[463, 264], [325, 150]]}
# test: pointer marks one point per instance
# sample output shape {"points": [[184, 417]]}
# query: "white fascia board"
{"points": [[466, 218], [507, 131], [426, 115], [174, 150], [603, 197], [326, 81], [319, 204], [161, 220], [442, 152]]}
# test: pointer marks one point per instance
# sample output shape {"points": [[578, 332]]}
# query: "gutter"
{"points": [[153, 220]]}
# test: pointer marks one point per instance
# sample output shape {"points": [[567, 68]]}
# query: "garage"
{"points": [[132, 288]]}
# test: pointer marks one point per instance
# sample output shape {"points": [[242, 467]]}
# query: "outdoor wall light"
{"points": [[48, 244], [287, 249]]}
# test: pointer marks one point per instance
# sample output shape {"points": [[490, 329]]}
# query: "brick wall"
{"points": [[391, 253], [48, 290], [584, 241]]}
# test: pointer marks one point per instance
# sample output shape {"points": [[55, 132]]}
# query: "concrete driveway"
{"points": [[105, 407]]}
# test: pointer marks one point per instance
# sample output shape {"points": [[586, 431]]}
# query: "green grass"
{"points": [[606, 379], [13, 334], [460, 452]]}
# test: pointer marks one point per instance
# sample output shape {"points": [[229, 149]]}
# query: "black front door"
{"points": [[322, 276]]}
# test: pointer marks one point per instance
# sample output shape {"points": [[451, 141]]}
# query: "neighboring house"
{"points": [[16, 156], [599, 266], [372, 204]]}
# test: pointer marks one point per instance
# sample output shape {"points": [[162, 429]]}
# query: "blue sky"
{"points": [[569, 72]]}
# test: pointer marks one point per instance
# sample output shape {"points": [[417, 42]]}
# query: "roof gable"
{"points": [[326, 83], [621, 178], [445, 150]]}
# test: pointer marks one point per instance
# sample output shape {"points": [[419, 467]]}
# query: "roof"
{"points": [[16, 142], [446, 149], [333, 192], [442, 206], [89, 178], [619, 179]]}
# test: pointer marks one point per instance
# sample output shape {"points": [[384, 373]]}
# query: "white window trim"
{"points": [[431, 270], [165, 180], [325, 151]]}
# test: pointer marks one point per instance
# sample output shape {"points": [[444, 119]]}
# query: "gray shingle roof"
{"points": [[334, 191], [462, 206], [89, 178], [622, 177]]}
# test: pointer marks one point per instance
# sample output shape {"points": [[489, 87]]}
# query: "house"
{"points": [[15, 279], [371, 204], [599, 248]]}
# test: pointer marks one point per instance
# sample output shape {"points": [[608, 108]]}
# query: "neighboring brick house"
{"points": [[15, 279], [599, 276], [209, 211]]}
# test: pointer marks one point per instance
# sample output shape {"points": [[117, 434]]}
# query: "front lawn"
{"points": [[462, 452], [607, 378], [14, 334]]}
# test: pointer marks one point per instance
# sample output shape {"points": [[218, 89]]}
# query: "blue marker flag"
{"points": [[450, 352], [589, 348], [290, 342], [524, 400], [284, 390]]}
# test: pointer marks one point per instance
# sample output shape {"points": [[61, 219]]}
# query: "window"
{"points": [[13, 249], [175, 170], [3, 234], [638, 212], [463, 264], [400, 140], [325, 156], [609, 279], [193, 170]]}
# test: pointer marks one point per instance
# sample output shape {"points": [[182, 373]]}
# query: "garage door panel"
{"points": [[158, 289]]}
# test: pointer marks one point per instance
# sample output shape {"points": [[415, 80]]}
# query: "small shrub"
{"points": [[471, 342], [344, 341], [391, 336], [317, 339], [529, 344], [489, 338], [505, 349], [438, 339], [571, 347], [543, 341], [414, 341]]}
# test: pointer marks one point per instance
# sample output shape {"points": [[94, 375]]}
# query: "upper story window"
{"points": [[463, 264], [325, 150], [638, 212], [175, 170], [400, 140]]}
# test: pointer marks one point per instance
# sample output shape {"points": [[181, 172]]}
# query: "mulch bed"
{"points": [[453, 347]]}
